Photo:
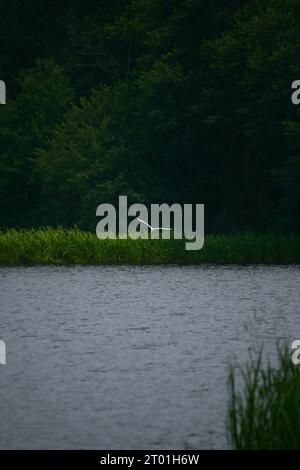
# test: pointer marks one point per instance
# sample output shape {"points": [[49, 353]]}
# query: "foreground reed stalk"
{"points": [[266, 413], [72, 246]]}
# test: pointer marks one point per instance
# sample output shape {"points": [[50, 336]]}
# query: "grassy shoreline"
{"points": [[49, 246]]}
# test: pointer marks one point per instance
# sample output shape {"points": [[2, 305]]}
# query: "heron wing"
{"points": [[143, 222]]}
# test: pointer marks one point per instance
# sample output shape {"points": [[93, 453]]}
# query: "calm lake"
{"points": [[133, 357]]}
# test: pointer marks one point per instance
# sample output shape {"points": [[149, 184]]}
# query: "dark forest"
{"points": [[165, 101]]}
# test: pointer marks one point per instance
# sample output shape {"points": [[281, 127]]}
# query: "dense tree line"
{"points": [[162, 100]]}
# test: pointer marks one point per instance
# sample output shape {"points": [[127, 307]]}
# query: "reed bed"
{"points": [[266, 413], [72, 246]]}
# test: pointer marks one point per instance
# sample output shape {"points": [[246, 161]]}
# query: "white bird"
{"points": [[153, 228]]}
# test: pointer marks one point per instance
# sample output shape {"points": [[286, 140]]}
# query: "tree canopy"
{"points": [[165, 101]]}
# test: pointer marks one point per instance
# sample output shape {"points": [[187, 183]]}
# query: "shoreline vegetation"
{"points": [[48, 246], [265, 414]]}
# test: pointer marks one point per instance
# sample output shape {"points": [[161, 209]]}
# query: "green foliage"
{"points": [[72, 246], [288, 177], [266, 414], [26, 123], [164, 101], [82, 165]]}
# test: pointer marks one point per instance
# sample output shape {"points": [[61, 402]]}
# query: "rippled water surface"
{"points": [[132, 357]]}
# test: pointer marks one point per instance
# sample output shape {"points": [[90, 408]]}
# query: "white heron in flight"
{"points": [[152, 228]]}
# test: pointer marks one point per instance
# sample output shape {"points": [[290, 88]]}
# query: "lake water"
{"points": [[133, 357]]}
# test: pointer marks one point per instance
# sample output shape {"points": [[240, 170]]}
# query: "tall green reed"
{"points": [[73, 246], [265, 414]]}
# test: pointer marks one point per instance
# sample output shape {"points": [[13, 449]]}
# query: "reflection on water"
{"points": [[132, 357]]}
